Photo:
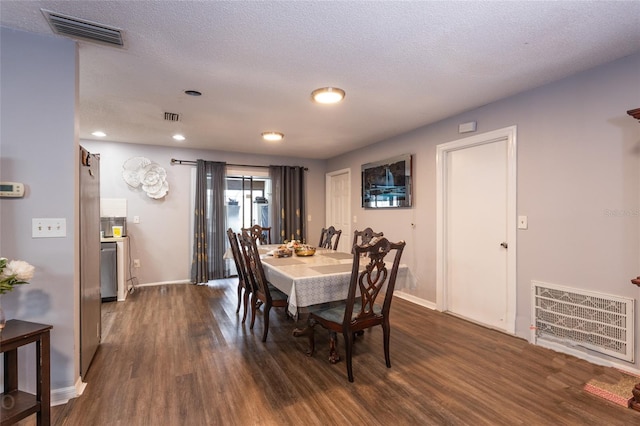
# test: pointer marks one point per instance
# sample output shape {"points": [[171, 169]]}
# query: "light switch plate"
{"points": [[523, 222], [48, 228]]}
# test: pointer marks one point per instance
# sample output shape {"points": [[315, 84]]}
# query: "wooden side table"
{"points": [[16, 404]]}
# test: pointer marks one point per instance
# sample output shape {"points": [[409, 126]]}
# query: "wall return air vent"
{"points": [[82, 29], [569, 317]]}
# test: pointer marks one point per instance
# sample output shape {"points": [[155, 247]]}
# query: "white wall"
{"points": [[38, 146], [162, 238], [578, 161]]}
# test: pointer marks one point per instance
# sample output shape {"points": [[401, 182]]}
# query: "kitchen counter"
{"points": [[112, 239]]}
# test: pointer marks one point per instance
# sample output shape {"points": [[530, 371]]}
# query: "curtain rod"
{"points": [[191, 162]]}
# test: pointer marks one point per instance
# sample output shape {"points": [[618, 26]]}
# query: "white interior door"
{"points": [[476, 227], [338, 214]]}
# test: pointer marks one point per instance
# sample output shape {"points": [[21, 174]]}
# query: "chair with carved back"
{"points": [[262, 234], [359, 311], [327, 235], [244, 284], [263, 291], [365, 236]]}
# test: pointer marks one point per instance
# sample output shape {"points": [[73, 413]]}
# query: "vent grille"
{"points": [[171, 116], [572, 317], [86, 30]]}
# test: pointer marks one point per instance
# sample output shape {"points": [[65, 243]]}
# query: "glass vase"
{"points": [[3, 320]]}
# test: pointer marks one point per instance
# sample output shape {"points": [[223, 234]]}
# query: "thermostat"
{"points": [[11, 190]]}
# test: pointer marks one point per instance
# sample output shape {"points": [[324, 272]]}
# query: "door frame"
{"points": [[329, 199], [442, 151]]}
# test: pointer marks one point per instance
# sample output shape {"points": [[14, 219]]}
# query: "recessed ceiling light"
{"points": [[99, 133], [179, 137], [272, 136], [328, 95], [192, 93]]}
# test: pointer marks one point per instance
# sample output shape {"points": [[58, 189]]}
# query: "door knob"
{"points": [[504, 245]]}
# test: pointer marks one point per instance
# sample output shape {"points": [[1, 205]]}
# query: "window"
{"points": [[248, 197]]}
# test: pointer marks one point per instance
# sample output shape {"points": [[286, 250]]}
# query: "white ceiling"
{"points": [[402, 64]]}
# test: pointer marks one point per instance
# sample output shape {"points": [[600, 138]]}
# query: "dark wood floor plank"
{"points": [[180, 355]]}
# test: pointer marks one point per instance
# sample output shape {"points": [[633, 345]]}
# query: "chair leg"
{"points": [[246, 305], [333, 344], [348, 347], [386, 331], [267, 308], [239, 296], [254, 308]]}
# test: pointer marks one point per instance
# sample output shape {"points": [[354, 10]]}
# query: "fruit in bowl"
{"points": [[282, 252], [305, 250], [293, 244]]}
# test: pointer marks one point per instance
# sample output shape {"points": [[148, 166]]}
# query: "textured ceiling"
{"points": [[402, 64]]}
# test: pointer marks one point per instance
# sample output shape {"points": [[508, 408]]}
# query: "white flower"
{"points": [[14, 273], [22, 270]]}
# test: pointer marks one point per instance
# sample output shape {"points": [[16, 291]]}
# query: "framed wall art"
{"points": [[387, 183]]}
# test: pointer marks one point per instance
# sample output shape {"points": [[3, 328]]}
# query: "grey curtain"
{"points": [[209, 223], [288, 204]]}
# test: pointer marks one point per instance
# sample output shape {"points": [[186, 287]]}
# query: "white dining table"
{"points": [[312, 280]]}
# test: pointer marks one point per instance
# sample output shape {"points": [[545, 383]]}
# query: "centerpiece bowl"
{"points": [[305, 251]]}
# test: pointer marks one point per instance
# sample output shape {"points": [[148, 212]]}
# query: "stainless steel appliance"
{"points": [[108, 272], [90, 306]]}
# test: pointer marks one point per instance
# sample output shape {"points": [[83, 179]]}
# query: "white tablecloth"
{"points": [[317, 279]]}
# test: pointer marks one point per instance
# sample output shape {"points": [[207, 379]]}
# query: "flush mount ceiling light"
{"points": [[99, 133], [272, 136], [328, 95], [179, 137]]}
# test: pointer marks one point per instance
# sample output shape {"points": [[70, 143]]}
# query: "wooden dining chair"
{"points": [[327, 235], [262, 234], [365, 236], [244, 284], [359, 311], [263, 292]]}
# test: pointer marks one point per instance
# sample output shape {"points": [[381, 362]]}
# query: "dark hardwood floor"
{"points": [[179, 355]]}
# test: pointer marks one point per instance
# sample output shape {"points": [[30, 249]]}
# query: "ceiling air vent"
{"points": [[171, 116], [85, 30]]}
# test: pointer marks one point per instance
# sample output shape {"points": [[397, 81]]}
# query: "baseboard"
{"points": [[587, 357], [413, 299], [163, 283], [63, 395]]}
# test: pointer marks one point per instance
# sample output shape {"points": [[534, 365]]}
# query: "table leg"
{"points": [[309, 332], [43, 377], [11, 370]]}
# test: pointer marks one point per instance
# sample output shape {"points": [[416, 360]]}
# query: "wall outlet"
{"points": [[136, 263], [523, 222], [136, 219]]}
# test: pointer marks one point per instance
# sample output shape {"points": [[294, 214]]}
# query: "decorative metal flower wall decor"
{"points": [[142, 172]]}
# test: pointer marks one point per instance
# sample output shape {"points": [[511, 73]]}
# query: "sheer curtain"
{"points": [[209, 222], [288, 203]]}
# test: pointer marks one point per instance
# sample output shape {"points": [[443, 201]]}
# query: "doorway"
{"points": [[476, 224], [338, 202], [247, 198]]}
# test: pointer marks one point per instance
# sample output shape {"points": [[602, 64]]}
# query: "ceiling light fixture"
{"points": [[192, 93], [179, 137], [272, 136], [99, 133], [328, 95]]}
